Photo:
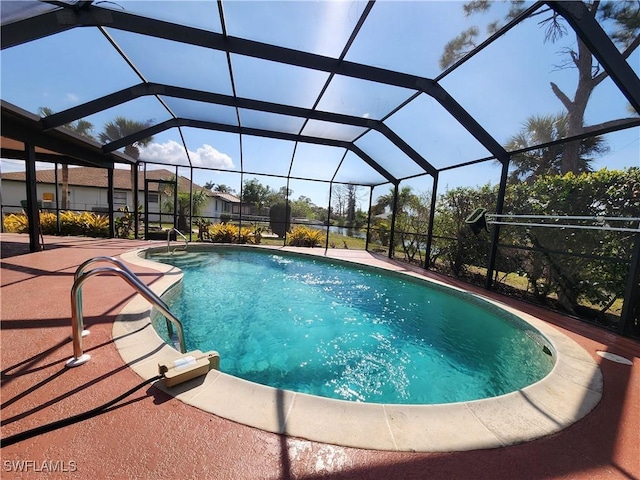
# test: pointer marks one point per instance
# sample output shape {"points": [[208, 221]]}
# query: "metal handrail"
{"points": [[80, 270], [186, 241], [79, 357]]}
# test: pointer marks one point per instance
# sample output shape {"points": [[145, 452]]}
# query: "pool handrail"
{"points": [[186, 240], [79, 357], [103, 258]]}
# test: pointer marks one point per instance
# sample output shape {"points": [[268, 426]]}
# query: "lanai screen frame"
{"points": [[47, 131]]}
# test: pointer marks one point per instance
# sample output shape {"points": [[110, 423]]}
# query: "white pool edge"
{"points": [[570, 391]]}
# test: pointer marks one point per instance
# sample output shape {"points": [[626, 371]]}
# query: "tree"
{"points": [[303, 207], [351, 204], [624, 19], [219, 187], [81, 127], [184, 209], [540, 129], [279, 196], [254, 192], [456, 245], [386, 201], [412, 224], [280, 218], [122, 127], [586, 273]]}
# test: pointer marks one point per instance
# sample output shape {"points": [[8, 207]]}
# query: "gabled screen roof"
{"points": [[360, 92]]}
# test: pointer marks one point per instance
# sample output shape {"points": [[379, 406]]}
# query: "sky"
{"points": [[501, 87]]}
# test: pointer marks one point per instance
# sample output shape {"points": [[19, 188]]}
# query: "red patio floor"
{"points": [[150, 435]]}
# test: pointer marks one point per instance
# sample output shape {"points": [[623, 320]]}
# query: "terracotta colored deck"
{"points": [[151, 435]]}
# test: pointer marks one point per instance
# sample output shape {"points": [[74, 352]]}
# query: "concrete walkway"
{"points": [[151, 435]]}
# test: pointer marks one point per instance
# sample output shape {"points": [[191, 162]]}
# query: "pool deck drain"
{"points": [[570, 391], [615, 358]]}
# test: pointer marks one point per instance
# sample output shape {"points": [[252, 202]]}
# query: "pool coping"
{"points": [[570, 391]]}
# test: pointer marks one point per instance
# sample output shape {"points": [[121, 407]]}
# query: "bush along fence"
{"points": [[71, 223]]}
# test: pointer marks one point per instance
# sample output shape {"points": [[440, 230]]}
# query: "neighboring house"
{"points": [[87, 191]]}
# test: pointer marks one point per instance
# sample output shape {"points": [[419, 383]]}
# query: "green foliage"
{"points": [[198, 200], [411, 225], [380, 232], [71, 223], [586, 278], [203, 226], [218, 187], [541, 129], [122, 127], [575, 279], [280, 218], [456, 246], [85, 223], [16, 223], [302, 208], [125, 223], [229, 233], [254, 192], [306, 237]]}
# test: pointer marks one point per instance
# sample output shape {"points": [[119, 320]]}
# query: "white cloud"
{"points": [[173, 153], [207, 156], [72, 98]]}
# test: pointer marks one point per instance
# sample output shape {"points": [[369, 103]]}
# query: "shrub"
{"points": [[125, 224], [48, 223], [16, 223], [228, 233], [280, 219], [71, 223], [306, 237], [94, 225]]}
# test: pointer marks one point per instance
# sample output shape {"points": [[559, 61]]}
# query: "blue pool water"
{"points": [[351, 333]]}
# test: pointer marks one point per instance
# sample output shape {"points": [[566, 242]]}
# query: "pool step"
{"points": [[181, 259]]}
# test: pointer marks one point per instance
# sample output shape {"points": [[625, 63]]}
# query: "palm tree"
{"points": [[541, 129], [199, 200], [218, 187], [122, 127], [405, 195], [621, 18], [81, 127]]}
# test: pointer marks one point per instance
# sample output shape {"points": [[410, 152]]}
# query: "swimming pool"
{"points": [[352, 333], [568, 393]]}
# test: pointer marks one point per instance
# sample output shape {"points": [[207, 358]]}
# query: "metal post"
{"points": [[136, 199], [631, 293], [190, 202], [393, 221], [55, 179], [33, 215], [287, 218], [146, 208], [495, 237], [175, 201], [366, 244], [112, 227], [326, 243], [432, 216]]}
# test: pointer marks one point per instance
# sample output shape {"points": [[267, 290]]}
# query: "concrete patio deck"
{"points": [[152, 435]]}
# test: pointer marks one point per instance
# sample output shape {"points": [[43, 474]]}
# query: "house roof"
{"points": [[97, 177], [227, 197]]}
